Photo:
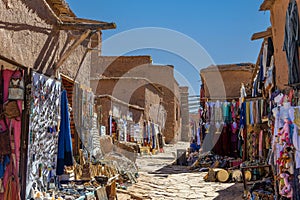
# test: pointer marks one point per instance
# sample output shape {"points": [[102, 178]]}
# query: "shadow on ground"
{"points": [[172, 169], [234, 192]]}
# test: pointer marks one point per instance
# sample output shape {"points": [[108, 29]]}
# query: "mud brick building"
{"points": [[153, 88]]}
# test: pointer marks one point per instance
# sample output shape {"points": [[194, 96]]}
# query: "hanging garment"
{"points": [[254, 112], [264, 60], [110, 125], [260, 144], [258, 112], [234, 139], [218, 112], [296, 143], [153, 136], [269, 83], [243, 115], [232, 109], [247, 113], [148, 132], [198, 137], [260, 77], [254, 145], [291, 42], [270, 51], [254, 86], [208, 112], [251, 112], [64, 155], [225, 111]]}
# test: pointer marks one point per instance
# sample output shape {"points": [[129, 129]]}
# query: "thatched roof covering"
{"points": [[60, 8]]}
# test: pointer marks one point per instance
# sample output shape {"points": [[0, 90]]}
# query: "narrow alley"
{"points": [[149, 100], [161, 179]]}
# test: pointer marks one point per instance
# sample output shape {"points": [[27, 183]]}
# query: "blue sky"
{"points": [[222, 28]]}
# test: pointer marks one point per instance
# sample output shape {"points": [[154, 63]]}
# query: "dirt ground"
{"points": [[159, 179]]}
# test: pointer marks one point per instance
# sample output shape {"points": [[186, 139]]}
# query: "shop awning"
{"points": [[67, 19]]}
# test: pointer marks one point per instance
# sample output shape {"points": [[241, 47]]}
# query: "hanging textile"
{"points": [[153, 136], [291, 42], [198, 137], [64, 155], [43, 137]]}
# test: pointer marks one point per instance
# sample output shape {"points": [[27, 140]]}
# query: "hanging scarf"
{"points": [[64, 155]]}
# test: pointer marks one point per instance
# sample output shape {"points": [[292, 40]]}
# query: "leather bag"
{"points": [[11, 110]]}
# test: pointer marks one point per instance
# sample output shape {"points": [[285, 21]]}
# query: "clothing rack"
{"points": [[219, 98]]}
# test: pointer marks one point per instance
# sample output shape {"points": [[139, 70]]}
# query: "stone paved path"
{"points": [[161, 180]]}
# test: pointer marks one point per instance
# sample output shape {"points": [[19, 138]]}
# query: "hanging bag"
{"points": [[16, 86], [11, 110]]}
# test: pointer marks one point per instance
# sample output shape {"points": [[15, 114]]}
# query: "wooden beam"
{"points": [[79, 26], [12, 62], [81, 62], [80, 20], [263, 34], [72, 48]]}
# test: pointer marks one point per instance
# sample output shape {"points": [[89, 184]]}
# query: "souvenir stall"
{"points": [[52, 171], [285, 145], [221, 127], [43, 135], [151, 133], [12, 109], [257, 126], [120, 122], [256, 132]]}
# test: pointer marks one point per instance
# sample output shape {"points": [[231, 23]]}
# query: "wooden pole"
{"points": [[76, 43]]}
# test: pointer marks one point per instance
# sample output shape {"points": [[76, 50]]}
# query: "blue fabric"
{"points": [[291, 127], [243, 115], [64, 155], [251, 113], [194, 147], [3, 164]]}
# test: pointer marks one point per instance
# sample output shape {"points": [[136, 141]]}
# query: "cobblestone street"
{"points": [[159, 179]]}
